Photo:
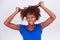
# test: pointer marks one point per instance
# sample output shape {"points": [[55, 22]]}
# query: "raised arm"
{"points": [[49, 12], [8, 23]]}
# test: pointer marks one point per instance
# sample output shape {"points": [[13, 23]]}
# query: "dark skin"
{"points": [[31, 19]]}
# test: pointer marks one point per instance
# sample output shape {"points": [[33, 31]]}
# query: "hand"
{"points": [[17, 9], [41, 4]]}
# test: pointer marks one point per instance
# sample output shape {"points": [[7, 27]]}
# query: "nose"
{"points": [[30, 19]]}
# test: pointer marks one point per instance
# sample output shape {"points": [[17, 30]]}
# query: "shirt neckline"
{"points": [[30, 30]]}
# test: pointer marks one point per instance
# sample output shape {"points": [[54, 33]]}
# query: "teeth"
{"points": [[31, 22]]}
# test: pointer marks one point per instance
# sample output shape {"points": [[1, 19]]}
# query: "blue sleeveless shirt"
{"points": [[35, 34]]}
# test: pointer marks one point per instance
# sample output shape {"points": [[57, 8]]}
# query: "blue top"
{"points": [[35, 34]]}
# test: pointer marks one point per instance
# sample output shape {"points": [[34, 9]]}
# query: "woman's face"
{"points": [[30, 18]]}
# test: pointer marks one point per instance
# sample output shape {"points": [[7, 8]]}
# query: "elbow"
{"points": [[5, 23], [54, 17]]}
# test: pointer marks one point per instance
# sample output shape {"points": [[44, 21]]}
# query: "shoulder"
{"points": [[22, 25], [39, 25]]}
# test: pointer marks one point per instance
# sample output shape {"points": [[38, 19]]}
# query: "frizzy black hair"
{"points": [[31, 9]]}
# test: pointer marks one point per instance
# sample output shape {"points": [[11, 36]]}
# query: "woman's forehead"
{"points": [[30, 14]]}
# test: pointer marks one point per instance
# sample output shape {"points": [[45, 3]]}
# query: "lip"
{"points": [[31, 22]]}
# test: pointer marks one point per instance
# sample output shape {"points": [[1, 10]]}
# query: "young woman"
{"points": [[31, 31]]}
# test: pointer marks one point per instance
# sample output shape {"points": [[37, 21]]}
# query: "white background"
{"points": [[7, 7]]}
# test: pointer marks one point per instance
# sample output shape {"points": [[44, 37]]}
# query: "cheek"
{"points": [[27, 19], [34, 19]]}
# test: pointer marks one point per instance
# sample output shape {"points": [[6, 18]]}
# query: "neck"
{"points": [[31, 27]]}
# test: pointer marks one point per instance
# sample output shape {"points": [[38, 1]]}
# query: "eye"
{"points": [[27, 17], [32, 17]]}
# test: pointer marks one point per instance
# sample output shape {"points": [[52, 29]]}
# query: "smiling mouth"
{"points": [[31, 23]]}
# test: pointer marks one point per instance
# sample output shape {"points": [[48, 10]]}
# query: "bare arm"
{"points": [[9, 19], [50, 13]]}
